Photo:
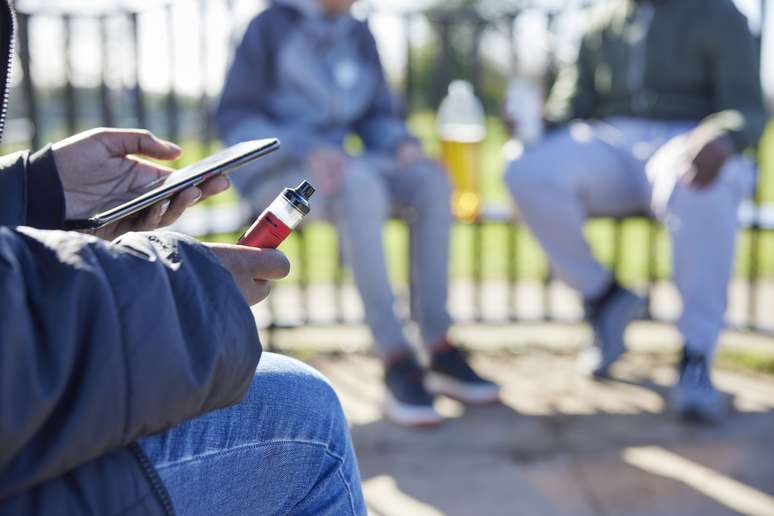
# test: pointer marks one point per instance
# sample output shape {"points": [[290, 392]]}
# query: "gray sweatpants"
{"points": [[621, 166], [373, 189]]}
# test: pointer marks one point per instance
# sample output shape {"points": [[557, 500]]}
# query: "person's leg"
{"points": [[574, 173], [703, 226], [360, 209], [422, 192], [285, 448]]}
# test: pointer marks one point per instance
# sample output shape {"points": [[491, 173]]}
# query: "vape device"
{"points": [[282, 216]]}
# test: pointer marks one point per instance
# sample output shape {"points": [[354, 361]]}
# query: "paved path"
{"points": [[563, 445]]}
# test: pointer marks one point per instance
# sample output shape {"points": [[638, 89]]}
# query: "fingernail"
{"points": [[196, 197], [174, 146], [163, 208]]}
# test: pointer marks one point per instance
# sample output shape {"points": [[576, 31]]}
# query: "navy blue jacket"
{"points": [[101, 344]]}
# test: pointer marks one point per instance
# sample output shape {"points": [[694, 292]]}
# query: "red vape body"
{"points": [[282, 216]]}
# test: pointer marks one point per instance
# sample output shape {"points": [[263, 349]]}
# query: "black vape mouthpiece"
{"points": [[299, 196]]}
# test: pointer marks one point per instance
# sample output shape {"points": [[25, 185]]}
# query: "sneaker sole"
{"points": [[440, 384], [697, 411], [412, 416]]}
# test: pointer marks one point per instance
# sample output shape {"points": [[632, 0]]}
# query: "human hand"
{"points": [[252, 268], [708, 157], [410, 153], [100, 169], [326, 167]]}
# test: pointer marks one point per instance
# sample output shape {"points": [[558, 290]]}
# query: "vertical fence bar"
{"points": [[106, 111], [617, 250], [475, 53], [138, 99], [172, 108], [444, 58], [339, 284], [513, 271], [71, 107], [408, 87], [651, 273], [30, 96], [754, 269], [513, 227], [303, 276], [478, 289], [204, 103]]}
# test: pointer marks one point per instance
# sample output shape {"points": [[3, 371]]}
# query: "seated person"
{"points": [[128, 369], [655, 114], [309, 73]]}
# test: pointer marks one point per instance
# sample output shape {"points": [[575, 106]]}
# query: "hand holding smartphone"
{"points": [[220, 163]]}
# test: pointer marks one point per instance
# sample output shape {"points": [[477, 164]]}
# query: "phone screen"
{"points": [[219, 163]]}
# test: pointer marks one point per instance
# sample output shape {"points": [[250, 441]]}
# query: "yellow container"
{"points": [[461, 131], [462, 161]]}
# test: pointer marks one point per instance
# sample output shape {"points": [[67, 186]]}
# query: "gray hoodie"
{"points": [[310, 80]]}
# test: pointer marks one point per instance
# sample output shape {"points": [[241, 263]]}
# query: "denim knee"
{"points": [[310, 406]]}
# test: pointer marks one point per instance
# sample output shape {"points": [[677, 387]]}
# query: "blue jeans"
{"points": [[285, 448]]}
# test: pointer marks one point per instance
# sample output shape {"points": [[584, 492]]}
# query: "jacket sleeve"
{"points": [[736, 81], [380, 128], [31, 192], [103, 343], [242, 112], [573, 94]]}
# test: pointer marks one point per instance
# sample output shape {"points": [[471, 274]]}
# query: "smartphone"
{"points": [[220, 163]]}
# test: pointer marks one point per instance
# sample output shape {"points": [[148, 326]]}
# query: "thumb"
{"points": [[121, 142]]}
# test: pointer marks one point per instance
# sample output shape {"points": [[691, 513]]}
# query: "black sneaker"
{"points": [[694, 398], [451, 375], [406, 401]]}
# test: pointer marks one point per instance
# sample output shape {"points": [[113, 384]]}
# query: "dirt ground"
{"points": [[561, 444]]}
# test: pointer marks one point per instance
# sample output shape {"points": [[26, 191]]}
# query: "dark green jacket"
{"points": [[696, 61]]}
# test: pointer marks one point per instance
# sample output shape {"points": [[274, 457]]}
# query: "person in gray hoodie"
{"points": [[128, 382], [309, 73]]}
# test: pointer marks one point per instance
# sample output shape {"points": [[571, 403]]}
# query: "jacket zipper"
{"points": [[9, 67], [153, 477]]}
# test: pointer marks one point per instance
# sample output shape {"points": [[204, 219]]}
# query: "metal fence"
{"points": [[84, 69]]}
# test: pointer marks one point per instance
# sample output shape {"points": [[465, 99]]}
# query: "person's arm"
{"points": [[735, 80], [103, 343], [380, 128], [242, 112], [573, 94], [34, 194]]}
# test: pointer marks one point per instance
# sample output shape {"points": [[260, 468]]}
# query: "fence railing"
{"points": [[161, 68]]}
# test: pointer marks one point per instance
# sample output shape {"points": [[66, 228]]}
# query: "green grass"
{"points": [[747, 360]]}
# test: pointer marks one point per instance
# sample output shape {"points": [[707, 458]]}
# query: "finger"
{"points": [[214, 186], [151, 218], [257, 263], [256, 291], [121, 142], [180, 203]]}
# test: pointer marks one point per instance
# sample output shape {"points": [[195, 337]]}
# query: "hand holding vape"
{"points": [[282, 216]]}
